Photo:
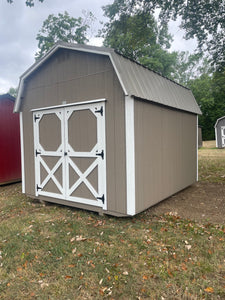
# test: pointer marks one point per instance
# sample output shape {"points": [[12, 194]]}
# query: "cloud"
{"points": [[19, 26]]}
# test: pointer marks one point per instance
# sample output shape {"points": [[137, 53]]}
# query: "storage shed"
{"points": [[220, 132], [103, 133], [10, 163]]}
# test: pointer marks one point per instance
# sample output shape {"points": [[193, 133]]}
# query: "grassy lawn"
{"points": [[211, 163], [56, 252]]}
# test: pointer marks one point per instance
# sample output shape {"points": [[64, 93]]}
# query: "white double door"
{"points": [[69, 150]]}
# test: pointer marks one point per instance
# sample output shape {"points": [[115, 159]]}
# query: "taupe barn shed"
{"points": [[103, 133]]}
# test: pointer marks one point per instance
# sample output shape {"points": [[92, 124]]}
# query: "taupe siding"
{"points": [[165, 152], [71, 76]]}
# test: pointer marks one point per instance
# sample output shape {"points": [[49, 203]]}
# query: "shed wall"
{"points": [[10, 163], [218, 132], [70, 77], [165, 152]]}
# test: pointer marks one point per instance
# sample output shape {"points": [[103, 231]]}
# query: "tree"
{"points": [[138, 37], [202, 90], [62, 28], [202, 19], [29, 3], [209, 91], [13, 91]]}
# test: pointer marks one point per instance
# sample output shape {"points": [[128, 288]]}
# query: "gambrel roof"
{"points": [[136, 80], [217, 121]]}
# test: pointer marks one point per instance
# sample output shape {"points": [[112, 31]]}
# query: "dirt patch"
{"points": [[202, 202]]}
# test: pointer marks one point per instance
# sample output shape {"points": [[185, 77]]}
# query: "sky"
{"points": [[19, 26]]}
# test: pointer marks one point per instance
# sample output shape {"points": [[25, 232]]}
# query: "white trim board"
{"points": [[22, 153], [130, 155], [69, 104]]}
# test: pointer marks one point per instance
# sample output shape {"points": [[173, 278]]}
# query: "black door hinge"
{"points": [[38, 188], [102, 198], [101, 154], [36, 118], [100, 111], [37, 152]]}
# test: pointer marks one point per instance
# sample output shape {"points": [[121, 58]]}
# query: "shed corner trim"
{"points": [[130, 155], [22, 153]]}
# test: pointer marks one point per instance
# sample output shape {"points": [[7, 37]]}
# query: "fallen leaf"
{"points": [[188, 247], [101, 292], [71, 266], [183, 267], [68, 277], [19, 269], [144, 277], [125, 273], [209, 290], [43, 285], [80, 238]]}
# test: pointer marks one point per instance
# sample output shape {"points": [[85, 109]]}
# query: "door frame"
{"points": [[102, 190]]}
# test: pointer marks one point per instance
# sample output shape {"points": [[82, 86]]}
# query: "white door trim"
{"points": [[69, 104], [63, 113]]}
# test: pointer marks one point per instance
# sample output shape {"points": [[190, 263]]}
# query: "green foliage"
{"points": [[13, 91], [209, 92], [62, 28], [138, 37], [202, 90], [29, 3], [201, 19]]}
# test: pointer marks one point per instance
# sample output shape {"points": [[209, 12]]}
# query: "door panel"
{"points": [[70, 153], [49, 155], [85, 140]]}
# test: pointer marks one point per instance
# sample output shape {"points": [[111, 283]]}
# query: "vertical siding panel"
{"points": [[165, 152]]}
